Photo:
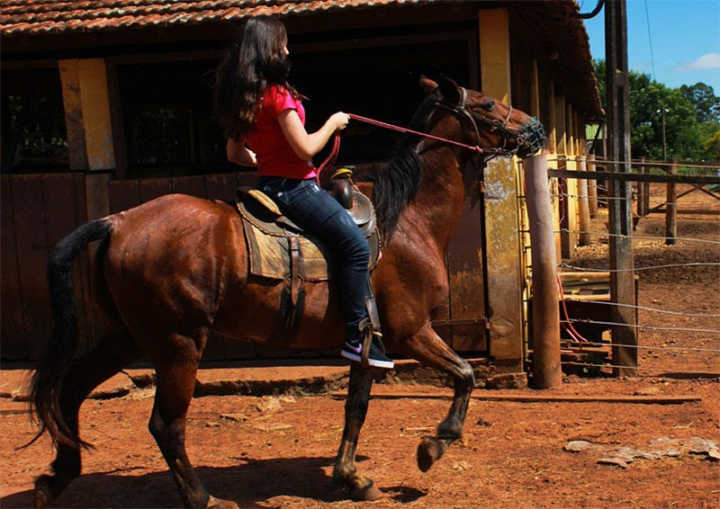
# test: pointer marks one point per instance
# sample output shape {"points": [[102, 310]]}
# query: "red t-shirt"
{"points": [[275, 156]]}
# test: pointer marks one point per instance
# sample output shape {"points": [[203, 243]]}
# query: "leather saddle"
{"points": [[280, 249]]}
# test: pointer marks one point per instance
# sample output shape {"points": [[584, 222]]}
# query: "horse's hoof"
{"points": [[428, 452], [366, 493], [219, 503], [42, 497]]}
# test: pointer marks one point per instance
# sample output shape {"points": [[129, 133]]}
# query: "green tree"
{"points": [[707, 105], [712, 146], [667, 119]]}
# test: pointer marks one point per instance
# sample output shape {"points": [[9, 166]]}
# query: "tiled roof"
{"points": [[55, 16], [555, 21]]}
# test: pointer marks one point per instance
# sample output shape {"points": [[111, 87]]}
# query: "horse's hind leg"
{"points": [[108, 358], [356, 405], [175, 387], [427, 347]]}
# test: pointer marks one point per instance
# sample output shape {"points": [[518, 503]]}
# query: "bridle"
{"points": [[494, 126], [460, 111]]}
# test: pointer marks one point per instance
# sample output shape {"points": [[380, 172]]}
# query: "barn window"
{"points": [[166, 106], [33, 123]]}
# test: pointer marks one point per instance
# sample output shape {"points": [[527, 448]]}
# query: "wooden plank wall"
{"points": [[40, 209], [37, 211]]}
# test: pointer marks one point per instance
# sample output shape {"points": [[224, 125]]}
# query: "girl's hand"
{"points": [[340, 120]]}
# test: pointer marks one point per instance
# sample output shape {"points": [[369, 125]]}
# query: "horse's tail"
{"points": [[47, 381]]}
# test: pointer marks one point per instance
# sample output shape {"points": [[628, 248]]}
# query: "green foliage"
{"points": [[712, 146], [707, 105], [679, 121]]}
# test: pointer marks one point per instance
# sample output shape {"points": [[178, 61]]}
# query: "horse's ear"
{"points": [[428, 85], [450, 91]]}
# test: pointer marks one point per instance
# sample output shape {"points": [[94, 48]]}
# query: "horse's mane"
{"points": [[396, 185]]}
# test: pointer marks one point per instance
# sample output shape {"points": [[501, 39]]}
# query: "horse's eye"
{"points": [[487, 105]]}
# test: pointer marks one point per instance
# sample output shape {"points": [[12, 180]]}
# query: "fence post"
{"points": [[671, 209], [592, 188], [584, 205], [622, 287], [643, 192], [545, 310]]}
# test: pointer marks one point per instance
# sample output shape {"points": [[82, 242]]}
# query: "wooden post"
{"points": [[86, 99], [494, 38], [622, 284], [573, 224], [671, 210], [646, 189], [583, 205], [592, 187], [502, 242], [545, 310], [552, 120], [535, 90], [642, 209], [558, 202]]}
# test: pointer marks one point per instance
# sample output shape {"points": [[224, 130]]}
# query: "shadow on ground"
{"points": [[248, 484]]}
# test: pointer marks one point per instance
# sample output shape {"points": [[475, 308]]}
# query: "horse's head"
{"points": [[485, 121]]}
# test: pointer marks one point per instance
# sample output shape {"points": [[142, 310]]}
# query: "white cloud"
{"points": [[707, 61]]}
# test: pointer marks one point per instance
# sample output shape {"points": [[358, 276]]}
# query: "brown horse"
{"points": [[174, 268]]}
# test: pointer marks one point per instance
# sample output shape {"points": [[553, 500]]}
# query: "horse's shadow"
{"points": [[248, 483]]}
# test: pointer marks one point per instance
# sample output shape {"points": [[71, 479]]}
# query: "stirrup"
{"points": [[369, 333]]}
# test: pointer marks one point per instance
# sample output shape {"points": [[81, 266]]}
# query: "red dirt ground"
{"points": [[278, 452]]}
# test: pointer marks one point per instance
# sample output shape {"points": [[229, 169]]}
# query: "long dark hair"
{"points": [[251, 63]]}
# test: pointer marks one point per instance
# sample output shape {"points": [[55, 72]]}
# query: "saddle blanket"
{"points": [[280, 249], [270, 254]]}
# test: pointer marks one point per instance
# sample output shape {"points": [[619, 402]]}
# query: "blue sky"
{"points": [[685, 37]]}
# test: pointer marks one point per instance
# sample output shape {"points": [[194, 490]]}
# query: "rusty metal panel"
{"points": [[124, 194], [13, 320], [467, 281], [502, 254]]}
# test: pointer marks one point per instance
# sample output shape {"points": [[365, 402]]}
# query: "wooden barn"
{"points": [[106, 104]]}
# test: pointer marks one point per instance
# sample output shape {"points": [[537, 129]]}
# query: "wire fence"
{"points": [[708, 167], [590, 349], [640, 269], [638, 326], [648, 347], [656, 310]]}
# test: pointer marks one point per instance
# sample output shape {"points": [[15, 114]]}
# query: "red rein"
{"points": [[330, 160]]}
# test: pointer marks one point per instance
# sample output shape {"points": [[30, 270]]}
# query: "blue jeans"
{"points": [[318, 213]]}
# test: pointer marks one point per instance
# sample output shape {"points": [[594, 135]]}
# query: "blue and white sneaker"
{"points": [[376, 357]]}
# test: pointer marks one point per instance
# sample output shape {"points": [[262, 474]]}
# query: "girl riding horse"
{"points": [[264, 121]]}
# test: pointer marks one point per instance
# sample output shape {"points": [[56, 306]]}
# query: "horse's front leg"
{"points": [[345, 472], [429, 348]]}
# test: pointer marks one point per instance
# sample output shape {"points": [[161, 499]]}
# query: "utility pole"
{"points": [[664, 138], [622, 282]]}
